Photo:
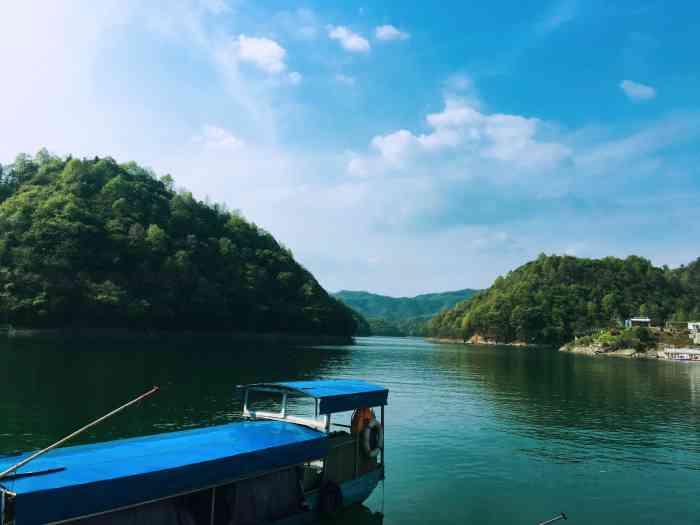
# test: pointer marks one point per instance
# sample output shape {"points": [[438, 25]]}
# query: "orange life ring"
{"points": [[360, 419]]}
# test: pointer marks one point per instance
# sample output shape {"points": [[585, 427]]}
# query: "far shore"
{"points": [[130, 334], [629, 353], [482, 342]]}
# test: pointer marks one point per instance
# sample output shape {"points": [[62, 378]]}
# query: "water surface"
{"points": [[482, 435]]}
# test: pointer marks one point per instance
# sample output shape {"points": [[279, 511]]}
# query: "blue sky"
{"points": [[401, 148]]}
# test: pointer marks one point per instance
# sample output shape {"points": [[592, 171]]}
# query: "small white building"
{"points": [[637, 321], [694, 327]]}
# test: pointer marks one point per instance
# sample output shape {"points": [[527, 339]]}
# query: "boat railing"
{"points": [[283, 415]]}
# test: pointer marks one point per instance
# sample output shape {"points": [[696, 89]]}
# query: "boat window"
{"points": [[297, 405], [264, 401], [301, 406]]}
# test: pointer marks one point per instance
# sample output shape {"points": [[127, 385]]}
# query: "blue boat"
{"points": [[304, 449]]}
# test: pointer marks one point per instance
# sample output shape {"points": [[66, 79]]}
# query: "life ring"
{"points": [[372, 438], [331, 499], [360, 418]]}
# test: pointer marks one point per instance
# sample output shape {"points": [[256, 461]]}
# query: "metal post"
{"points": [[384, 444], [284, 405], [213, 506], [357, 454]]}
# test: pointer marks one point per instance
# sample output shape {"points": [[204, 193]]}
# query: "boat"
{"points": [[303, 450]]}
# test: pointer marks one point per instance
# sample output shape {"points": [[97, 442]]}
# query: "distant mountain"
{"points": [[375, 306]]}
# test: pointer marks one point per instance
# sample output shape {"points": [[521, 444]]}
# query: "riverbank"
{"points": [[595, 350], [630, 353], [481, 342], [161, 335], [634, 342]]}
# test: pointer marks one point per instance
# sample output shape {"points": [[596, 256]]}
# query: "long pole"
{"points": [[77, 432], [561, 516]]}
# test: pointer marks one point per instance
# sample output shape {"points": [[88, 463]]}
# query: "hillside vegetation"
{"points": [[401, 316], [99, 244], [554, 298]]}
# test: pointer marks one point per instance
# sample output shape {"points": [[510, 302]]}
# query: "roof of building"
{"points": [[335, 395], [99, 477]]}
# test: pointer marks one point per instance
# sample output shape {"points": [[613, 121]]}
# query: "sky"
{"points": [[396, 147]]}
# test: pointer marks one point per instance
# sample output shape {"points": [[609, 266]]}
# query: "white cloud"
{"points": [[215, 136], [563, 12], [345, 79], [263, 53], [389, 32], [358, 166], [462, 130], [214, 6], [295, 78], [348, 40], [301, 24], [396, 147], [647, 142], [637, 91]]}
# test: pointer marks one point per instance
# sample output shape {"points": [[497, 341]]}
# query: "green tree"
{"points": [[97, 243]]}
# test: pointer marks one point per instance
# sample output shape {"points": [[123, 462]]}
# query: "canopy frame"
{"points": [[330, 396]]}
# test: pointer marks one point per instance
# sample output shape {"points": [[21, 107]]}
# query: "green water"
{"points": [[477, 435]]}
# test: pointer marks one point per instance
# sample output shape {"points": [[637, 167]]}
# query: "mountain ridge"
{"points": [[372, 305]]}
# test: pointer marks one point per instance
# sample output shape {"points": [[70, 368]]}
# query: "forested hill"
{"points": [[554, 298], [398, 308], [94, 243]]}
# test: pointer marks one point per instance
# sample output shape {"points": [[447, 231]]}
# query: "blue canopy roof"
{"points": [[104, 476], [336, 395]]}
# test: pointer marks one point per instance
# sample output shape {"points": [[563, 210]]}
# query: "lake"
{"points": [[482, 435]]}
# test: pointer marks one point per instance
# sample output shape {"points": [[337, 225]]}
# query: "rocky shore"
{"points": [[599, 351], [479, 341]]}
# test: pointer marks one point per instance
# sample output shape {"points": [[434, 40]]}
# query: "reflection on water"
{"points": [[474, 435], [357, 515]]}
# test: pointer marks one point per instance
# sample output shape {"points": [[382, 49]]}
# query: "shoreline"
{"points": [[164, 335], [628, 353], [455, 341], [595, 351]]}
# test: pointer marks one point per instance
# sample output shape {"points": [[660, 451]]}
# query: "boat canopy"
{"points": [[333, 395], [88, 479]]}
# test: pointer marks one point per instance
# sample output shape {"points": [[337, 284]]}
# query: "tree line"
{"points": [[91, 242], [554, 298]]}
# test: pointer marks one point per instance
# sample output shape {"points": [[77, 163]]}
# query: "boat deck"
{"points": [[119, 473]]}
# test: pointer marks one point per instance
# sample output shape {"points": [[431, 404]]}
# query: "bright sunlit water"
{"points": [[475, 435]]}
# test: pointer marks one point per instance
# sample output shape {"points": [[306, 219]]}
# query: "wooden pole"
{"points": [[561, 516], [77, 432]]}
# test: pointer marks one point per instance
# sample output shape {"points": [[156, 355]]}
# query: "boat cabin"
{"points": [[302, 449]]}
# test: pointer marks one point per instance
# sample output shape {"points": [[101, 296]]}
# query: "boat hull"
{"points": [[355, 492]]}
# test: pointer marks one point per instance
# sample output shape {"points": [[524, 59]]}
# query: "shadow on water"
{"points": [[52, 387], [356, 515]]}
